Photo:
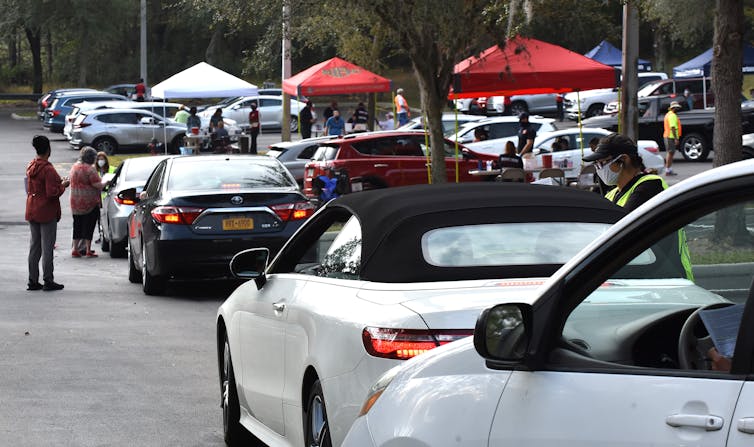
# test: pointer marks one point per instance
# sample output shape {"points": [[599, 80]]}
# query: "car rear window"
{"points": [[275, 152], [502, 244], [325, 153], [228, 174]]}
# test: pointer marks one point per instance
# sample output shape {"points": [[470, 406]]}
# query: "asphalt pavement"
{"points": [[99, 363]]}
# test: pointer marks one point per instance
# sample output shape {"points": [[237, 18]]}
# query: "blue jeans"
{"points": [[402, 118]]}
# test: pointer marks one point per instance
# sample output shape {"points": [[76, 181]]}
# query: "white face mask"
{"points": [[101, 163], [607, 175]]}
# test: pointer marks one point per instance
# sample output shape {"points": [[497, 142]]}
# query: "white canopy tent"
{"points": [[203, 81]]}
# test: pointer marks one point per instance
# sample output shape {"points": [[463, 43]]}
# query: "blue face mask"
{"points": [[608, 176]]}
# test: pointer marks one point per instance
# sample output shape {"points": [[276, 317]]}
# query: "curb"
{"points": [[22, 118]]}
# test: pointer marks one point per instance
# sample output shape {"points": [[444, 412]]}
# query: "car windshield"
{"points": [[502, 244], [228, 174], [647, 88]]}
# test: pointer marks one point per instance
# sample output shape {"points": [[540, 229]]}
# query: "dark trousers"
{"points": [[42, 243], [306, 130], [254, 134], [83, 224], [561, 115]]}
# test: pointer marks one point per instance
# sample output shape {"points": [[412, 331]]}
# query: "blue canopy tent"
{"points": [[701, 65], [607, 54]]}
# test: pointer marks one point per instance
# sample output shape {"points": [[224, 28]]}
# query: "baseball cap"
{"points": [[612, 146], [675, 105]]}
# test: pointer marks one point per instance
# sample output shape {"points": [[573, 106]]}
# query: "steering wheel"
{"points": [[692, 350]]}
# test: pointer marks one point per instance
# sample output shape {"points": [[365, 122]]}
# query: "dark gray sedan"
{"points": [[296, 154]]}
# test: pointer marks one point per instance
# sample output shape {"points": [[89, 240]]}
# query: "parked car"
{"points": [[542, 103], [111, 130], [592, 102], [449, 122], [159, 108], [374, 160], [270, 111], [747, 140], [127, 90], [61, 106], [296, 154], [616, 338], [116, 209], [195, 213], [345, 305], [45, 100], [674, 87], [569, 158], [499, 130]]}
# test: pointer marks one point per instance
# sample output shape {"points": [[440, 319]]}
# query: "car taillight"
{"points": [[652, 149], [293, 211], [55, 112], [176, 214], [82, 124], [121, 201], [402, 344]]}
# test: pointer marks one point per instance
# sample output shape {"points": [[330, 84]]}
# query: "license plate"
{"points": [[239, 223], [356, 187]]}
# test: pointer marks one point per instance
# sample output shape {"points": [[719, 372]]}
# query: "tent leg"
{"points": [[372, 110]]}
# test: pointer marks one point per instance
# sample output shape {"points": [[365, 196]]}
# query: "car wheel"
{"points": [[317, 427], [294, 123], [134, 274], [105, 244], [594, 110], [518, 107], [118, 249], [235, 434], [151, 284], [106, 145], [694, 147]]}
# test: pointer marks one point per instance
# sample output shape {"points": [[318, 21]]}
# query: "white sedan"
{"points": [[569, 159], [270, 109], [619, 347], [373, 279]]}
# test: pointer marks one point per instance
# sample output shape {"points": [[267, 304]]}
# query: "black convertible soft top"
{"points": [[393, 221]]}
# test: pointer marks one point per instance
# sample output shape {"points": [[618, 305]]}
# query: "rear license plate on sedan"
{"points": [[239, 223]]}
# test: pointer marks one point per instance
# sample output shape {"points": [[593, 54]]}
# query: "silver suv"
{"points": [[110, 130]]}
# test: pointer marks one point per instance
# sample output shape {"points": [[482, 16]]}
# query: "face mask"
{"points": [[101, 163], [607, 175]]}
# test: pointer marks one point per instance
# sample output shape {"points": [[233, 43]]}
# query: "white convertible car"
{"points": [[376, 278], [617, 348]]}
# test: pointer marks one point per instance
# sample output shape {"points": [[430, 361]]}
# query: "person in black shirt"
{"points": [[619, 165], [360, 118], [509, 159], [329, 110], [526, 134], [307, 119]]}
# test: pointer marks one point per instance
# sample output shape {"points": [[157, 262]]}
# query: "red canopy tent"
{"points": [[335, 77], [528, 66]]}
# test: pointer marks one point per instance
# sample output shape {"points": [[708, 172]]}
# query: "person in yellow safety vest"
{"points": [[671, 134], [401, 108], [618, 164]]}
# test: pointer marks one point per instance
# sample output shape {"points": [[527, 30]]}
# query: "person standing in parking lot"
{"points": [[307, 120], [335, 125], [43, 190], [526, 134], [86, 187], [559, 105], [193, 121], [401, 108], [254, 127], [141, 90], [671, 135]]}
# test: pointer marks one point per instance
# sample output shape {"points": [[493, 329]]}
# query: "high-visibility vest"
{"points": [[683, 247], [671, 120], [401, 105]]}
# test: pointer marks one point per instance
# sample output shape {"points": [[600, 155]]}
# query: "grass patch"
{"points": [[116, 160], [703, 251]]}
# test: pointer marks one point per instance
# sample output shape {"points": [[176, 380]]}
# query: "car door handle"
{"points": [[746, 425], [708, 422], [278, 307], [381, 165]]}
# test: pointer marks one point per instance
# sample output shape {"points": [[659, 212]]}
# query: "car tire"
{"points": [[294, 123], [233, 432], [316, 426], [105, 246], [518, 107], [118, 249], [694, 147], [134, 274], [106, 145], [594, 110], [151, 284]]}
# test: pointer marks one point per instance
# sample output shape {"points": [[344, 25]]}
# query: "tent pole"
{"points": [[620, 91], [395, 112], [704, 87], [429, 149], [165, 124], [455, 143], [581, 133]]}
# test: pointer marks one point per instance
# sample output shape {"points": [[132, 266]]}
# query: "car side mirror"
{"points": [[129, 196], [503, 332], [251, 264]]}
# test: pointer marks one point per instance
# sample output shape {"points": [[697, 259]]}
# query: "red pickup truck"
{"points": [[385, 159]]}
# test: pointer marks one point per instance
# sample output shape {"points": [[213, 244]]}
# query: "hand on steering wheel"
{"points": [[693, 351]]}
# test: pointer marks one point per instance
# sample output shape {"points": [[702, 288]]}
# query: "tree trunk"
{"points": [[12, 52], [49, 54], [727, 53], [35, 43], [661, 49], [83, 55], [212, 54]]}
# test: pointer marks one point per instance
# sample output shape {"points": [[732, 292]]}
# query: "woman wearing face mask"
{"points": [[102, 166], [618, 164]]}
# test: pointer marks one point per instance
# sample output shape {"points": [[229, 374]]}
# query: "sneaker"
{"points": [[34, 286], [51, 286], [668, 173], [75, 254]]}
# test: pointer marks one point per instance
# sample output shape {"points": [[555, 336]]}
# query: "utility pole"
{"points": [[143, 67], [629, 111], [285, 127]]}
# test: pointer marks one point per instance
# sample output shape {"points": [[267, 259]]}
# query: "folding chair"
{"points": [[512, 175]]}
